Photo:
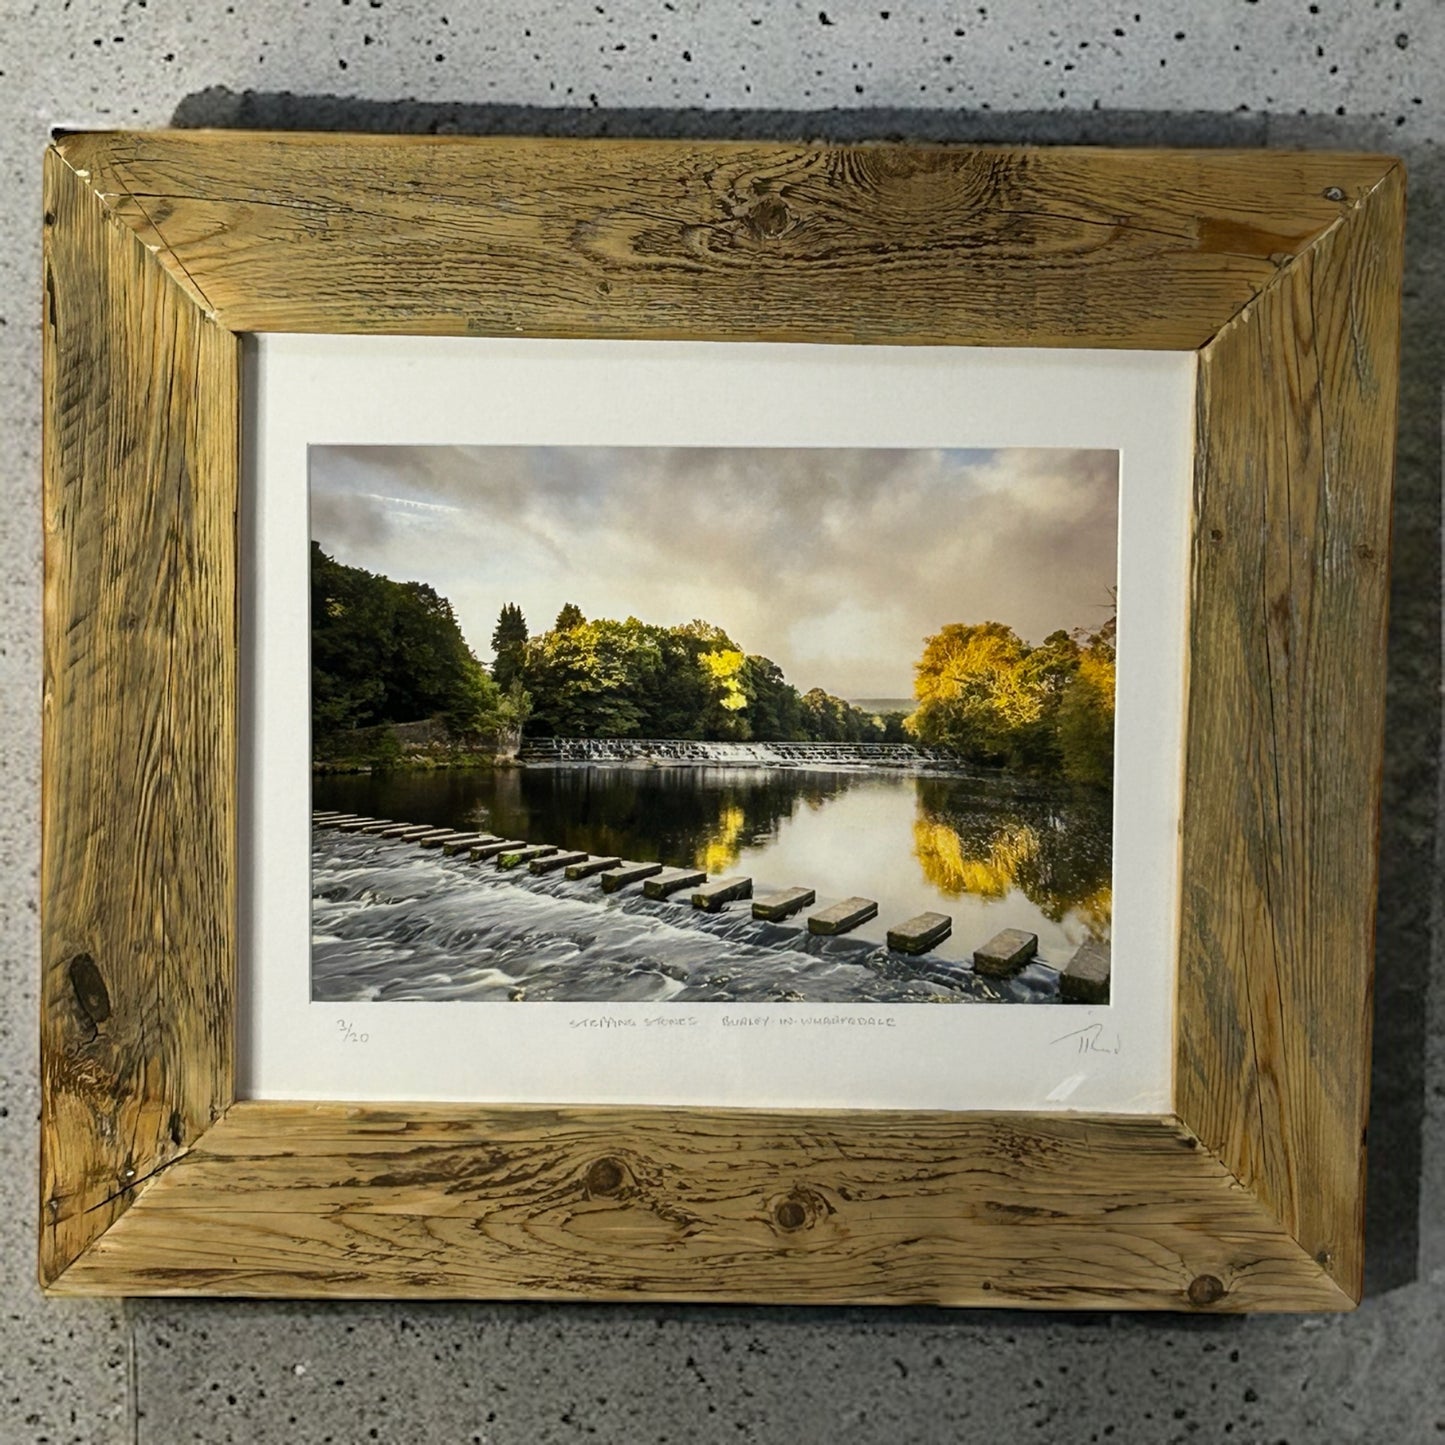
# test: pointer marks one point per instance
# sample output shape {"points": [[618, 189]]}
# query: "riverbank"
{"points": [[424, 746], [457, 760]]}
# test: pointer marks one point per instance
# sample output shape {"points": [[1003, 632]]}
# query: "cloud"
{"points": [[835, 563]]}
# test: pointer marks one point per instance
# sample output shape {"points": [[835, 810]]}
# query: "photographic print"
{"points": [[712, 724]]}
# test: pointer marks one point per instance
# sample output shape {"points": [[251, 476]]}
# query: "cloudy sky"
{"points": [[834, 563]]}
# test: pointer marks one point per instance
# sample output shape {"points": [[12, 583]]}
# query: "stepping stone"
{"points": [[407, 831], [448, 835], [590, 866], [432, 834], [355, 825], [329, 817], [515, 857], [920, 934], [621, 876], [1005, 953], [712, 896], [777, 906], [372, 828], [1085, 978], [554, 861], [467, 840], [479, 851], [672, 880], [842, 917]]}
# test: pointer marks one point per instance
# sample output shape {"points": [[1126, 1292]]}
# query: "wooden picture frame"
{"points": [[1282, 271]]}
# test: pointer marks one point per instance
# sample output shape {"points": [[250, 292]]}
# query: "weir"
{"points": [[1084, 979], [901, 756]]}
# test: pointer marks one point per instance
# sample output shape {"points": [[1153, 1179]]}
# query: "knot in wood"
{"points": [[1205, 1289], [90, 990], [790, 1215], [770, 217], [798, 1210], [606, 1176]]}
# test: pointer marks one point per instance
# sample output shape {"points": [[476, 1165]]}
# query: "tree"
{"points": [[1086, 719], [988, 696], [589, 682], [725, 716], [973, 692], [894, 727], [775, 707], [509, 641], [569, 617], [390, 652]]}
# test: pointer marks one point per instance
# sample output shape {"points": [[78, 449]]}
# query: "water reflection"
{"points": [[705, 817], [990, 854], [1054, 848]]}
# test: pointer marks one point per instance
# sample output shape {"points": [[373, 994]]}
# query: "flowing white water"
{"points": [[393, 922]]}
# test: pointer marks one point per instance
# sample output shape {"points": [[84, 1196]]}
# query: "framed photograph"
{"points": [[699, 875], [688, 720]]}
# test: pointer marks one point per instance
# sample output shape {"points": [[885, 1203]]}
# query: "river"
{"points": [[391, 921]]}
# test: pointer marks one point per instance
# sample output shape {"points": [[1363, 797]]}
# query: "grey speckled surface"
{"points": [[1274, 72]]}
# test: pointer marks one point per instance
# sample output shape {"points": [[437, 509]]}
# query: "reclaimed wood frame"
{"points": [[1280, 271]]}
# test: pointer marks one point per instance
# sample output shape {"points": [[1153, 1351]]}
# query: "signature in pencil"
{"points": [[1089, 1040]]}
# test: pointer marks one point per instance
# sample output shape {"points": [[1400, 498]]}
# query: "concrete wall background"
{"points": [[1208, 72]]}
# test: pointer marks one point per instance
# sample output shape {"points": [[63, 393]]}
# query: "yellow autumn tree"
{"points": [[723, 668], [973, 690]]}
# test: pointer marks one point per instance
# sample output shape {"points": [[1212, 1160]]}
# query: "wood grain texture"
{"points": [[727, 241], [138, 812], [693, 1204], [1284, 268], [1294, 465]]}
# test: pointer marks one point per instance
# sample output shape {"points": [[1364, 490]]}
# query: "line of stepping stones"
{"points": [[1084, 979]]}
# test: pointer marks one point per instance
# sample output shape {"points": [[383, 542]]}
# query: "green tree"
{"points": [[775, 707], [894, 727], [509, 642], [350, 647], [390, 652], [589, 682], [824, 719], [1086, 720], [569, 617]]}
